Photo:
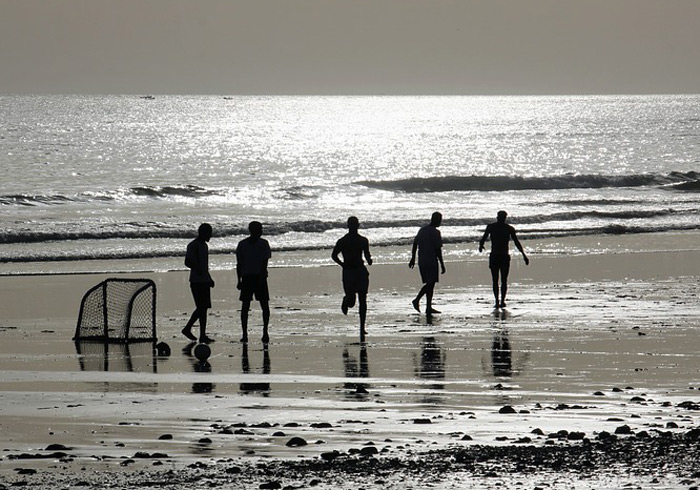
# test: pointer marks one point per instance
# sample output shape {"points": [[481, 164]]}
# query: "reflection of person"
{"points": [[251, 387], [252, 255], [499, 259], [197, 259], [352, 247], [355, 369], [428, 242], [501, 355]]}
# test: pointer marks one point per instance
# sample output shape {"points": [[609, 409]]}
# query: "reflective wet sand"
{"points": [[576, 356]]}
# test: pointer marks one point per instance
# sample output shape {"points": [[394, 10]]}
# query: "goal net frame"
{"points": [[118, 310]]}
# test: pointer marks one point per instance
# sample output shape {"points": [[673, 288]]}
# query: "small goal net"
{"points": [[118, 310]]}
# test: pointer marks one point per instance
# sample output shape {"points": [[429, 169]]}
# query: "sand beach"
{"points": [[590, 378]]}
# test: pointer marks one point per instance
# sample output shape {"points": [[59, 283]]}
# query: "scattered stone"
{"points": [[624, 430], [369, 451], [507, 409], [422, 421], [330, 455], [57, 447], [272, 485], [297, 442]]}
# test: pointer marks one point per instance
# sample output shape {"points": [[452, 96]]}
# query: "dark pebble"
{"points": [[623, 429], [296, 442]]}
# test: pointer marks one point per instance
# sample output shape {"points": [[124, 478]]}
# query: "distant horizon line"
{"points": [[320, 94]]}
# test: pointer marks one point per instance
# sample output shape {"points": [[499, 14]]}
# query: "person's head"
{"points": [[255, 228], [204, 231], [353, 223], [436, 219], [501, 216]]}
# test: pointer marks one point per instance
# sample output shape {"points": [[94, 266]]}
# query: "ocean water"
{"points": [[130, 178]]}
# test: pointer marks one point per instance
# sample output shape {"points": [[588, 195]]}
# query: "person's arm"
{"points": [[483, 239], [335, 254], [238, 266], [203, 262], [519, 246], [368, 256], [439, 256], [268, 255], [438, 250], [412, 262]]}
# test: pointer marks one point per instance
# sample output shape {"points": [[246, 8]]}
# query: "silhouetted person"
{"points": [[197, 259], [352, 247], [499, 259], [252, 255], [428, 242]]}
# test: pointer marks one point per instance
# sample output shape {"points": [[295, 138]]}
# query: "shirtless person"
{"points": [[428, 243], [499, 259], [352, 247]]}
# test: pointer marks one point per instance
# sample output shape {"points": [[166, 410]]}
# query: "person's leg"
{"points": [[265, 307], [187, 330], [429, 290], [504, 284], [416, 302], [245, 308], [494, 284], [203, 326], [362, 300]]}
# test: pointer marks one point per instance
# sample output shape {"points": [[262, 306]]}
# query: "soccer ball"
{"points": [[202, 352]]}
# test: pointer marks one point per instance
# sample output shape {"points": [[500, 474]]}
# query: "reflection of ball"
{"points": [[202, 352]]}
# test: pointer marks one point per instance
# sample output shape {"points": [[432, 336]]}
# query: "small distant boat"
{"points": [[148, 97], [228, 98]]}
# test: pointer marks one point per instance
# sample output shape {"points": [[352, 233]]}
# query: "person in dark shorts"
{"points": [[499, 260], [428, 243], [352, 247], [252, 256], [197, 260]]}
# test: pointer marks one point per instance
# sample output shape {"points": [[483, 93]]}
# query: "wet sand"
{"points": [[589, 345]]}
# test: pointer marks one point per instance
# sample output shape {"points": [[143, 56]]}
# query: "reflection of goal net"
{"points": [[118, 310]]}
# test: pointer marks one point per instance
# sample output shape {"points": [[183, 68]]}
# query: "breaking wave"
{"points": [[153, 192], [510, 183]]}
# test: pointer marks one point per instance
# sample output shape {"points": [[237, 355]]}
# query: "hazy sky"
{"points": [[350, 46]]}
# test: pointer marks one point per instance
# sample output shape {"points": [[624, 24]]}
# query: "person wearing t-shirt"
{"points": [[252, 256], [197, 260], [428, 243]]}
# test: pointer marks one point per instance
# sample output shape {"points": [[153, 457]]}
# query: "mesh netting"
{"points": [[118, 310]]}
